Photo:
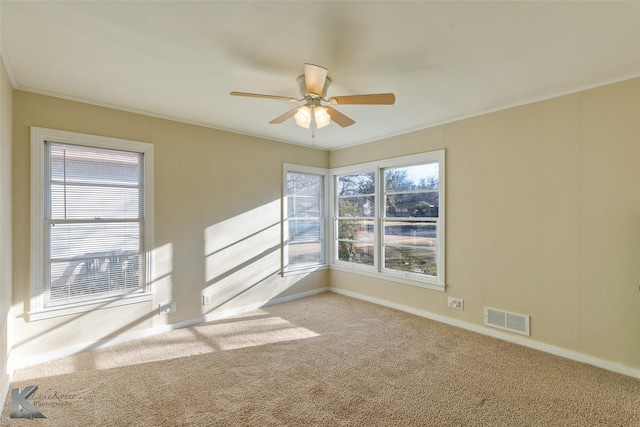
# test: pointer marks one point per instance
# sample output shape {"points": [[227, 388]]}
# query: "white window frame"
{"points": [[39, 137], [377, 270], [305, 268], [354, 170]]}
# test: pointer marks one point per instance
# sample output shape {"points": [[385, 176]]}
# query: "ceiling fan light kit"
{"points": [[303, 117], [307, 114], [322, 117], [313, 85]]}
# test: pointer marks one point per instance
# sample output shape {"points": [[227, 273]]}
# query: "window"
{"points": [[91, 222], [410, 219], [355, 223], [389, 219], [304, 221]]}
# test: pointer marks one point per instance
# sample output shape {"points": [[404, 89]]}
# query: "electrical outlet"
{"points": [[168, 307], [457, 303], [206, 299]]}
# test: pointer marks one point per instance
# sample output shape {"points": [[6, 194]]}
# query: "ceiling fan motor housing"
{"points": [[302, 86]]}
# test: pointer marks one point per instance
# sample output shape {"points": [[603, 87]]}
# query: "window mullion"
{"points": [[379, 213]]}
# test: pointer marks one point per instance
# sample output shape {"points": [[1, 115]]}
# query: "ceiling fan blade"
{"points": [[339, 118], [285, 116], [374, 98], [315, 77], [259, 95]]}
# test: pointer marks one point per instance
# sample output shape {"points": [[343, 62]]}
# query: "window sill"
{"points": [[83, 307], [303, 270], [398, 278]]}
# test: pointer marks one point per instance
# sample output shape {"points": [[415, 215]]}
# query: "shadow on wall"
{"points": [[71, 325], [243, 259], [242, 262], [67, 329]]}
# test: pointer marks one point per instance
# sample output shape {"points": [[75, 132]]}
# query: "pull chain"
{"points": [[313, 126]]}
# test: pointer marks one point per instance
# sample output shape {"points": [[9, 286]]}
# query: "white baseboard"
{"points": [[527, 342], [69, 351]]}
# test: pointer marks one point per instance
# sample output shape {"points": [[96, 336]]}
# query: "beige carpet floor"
{"points": [[326, 360]]}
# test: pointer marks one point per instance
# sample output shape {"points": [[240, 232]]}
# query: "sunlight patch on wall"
{"points": [[161, 271], [242, 278], [238, 228], [243, 253], [162, 264], [242, 258]]}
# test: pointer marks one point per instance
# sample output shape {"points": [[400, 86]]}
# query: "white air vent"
{"points": [[508, 321]]}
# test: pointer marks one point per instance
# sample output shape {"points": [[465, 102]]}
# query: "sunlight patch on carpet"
{"points": [[249, 333], [229, 334]]}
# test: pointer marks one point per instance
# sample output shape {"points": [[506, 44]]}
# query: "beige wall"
{"points": [[217, 221], [543, 218], [6, 127], [543, 205]]}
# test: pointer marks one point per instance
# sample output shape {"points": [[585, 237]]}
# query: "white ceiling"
{"points": [[443, 60]]}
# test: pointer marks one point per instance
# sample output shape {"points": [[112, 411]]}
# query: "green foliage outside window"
{"points": [[348, 232]]}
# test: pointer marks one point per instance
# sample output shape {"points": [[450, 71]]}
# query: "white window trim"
{"points": [[352, 266], [376, 270], [306, 268], [39, 136]]}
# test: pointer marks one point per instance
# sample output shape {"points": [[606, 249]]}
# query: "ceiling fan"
{"points": [[317, 111]]}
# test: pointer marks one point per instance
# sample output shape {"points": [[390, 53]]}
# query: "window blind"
{"points": [[94, 220]]}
